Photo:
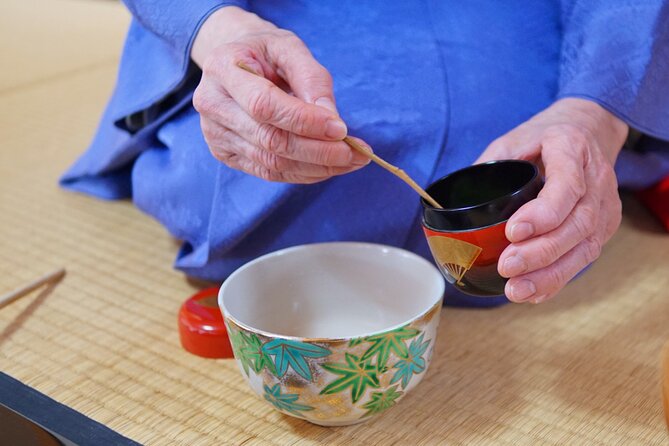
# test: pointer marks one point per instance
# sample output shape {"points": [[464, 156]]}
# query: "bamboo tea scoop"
{"points": [[378, 160], [392, 169]]}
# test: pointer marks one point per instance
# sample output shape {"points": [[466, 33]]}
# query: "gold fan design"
{"points": [[455, 256]]}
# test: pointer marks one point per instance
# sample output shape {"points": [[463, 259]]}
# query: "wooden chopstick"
{"points": [[372, 156], [50, 278], [665, 382]]}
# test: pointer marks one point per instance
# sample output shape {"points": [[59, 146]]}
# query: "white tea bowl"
{"points": [[333, 333]]}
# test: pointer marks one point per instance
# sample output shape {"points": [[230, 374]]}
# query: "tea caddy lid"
{"points": [[202, 328]]}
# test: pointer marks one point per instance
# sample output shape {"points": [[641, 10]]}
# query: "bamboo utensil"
{"points": [[392, 169], [665, 382], [50, 278], [377, 159]]}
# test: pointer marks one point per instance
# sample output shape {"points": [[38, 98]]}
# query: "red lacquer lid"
{"points": [[201, 327]]}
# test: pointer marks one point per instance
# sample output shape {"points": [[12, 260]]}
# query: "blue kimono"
{"points": [[428, 84]]}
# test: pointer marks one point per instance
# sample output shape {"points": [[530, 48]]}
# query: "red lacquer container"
{"points": [[467, 237], [201, 326]]}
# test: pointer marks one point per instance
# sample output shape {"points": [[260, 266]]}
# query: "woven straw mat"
{"points": [[581, 369]]}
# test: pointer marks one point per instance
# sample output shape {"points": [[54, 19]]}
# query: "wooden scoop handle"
{"points": [[392, 169]]}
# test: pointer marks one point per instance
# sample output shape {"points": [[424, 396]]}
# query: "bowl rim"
{"points": [[437, 302], [476, 166]]}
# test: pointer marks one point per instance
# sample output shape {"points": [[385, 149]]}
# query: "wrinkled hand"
{"points": [[563, 230], [281, 126]]}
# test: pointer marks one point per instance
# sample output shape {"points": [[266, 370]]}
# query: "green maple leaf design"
{"points": [[356, 374], [253, 350], [286, 402], [381, 401], [383, 343], [291, 353], [414, 363], [238, 342]]}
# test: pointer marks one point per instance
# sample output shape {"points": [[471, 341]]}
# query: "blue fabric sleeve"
{"points": [[616, 53], [176, 21], [156, 78], [172, 25]]}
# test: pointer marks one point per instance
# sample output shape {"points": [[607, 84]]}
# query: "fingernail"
{"points": [[358, 159], [335, 129], [538, 300], [514, 266], [326, 103], [522, 290], [521, 231]]}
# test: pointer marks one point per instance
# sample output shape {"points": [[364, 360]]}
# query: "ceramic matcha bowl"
{"points": [[333, 333]]}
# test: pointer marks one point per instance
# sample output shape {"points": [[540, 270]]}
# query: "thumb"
{"points": [[307, 78]]}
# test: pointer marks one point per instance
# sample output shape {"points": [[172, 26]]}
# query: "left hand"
{"points": [[556, 235]]}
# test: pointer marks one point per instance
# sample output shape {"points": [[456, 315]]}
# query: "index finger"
{"points": [[267, 103], [564, 186]]}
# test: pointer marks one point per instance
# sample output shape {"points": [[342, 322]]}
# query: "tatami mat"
{"points": [[582, 369]]}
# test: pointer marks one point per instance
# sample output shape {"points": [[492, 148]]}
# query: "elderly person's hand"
{"points": [[562, 231], [283, 126]]}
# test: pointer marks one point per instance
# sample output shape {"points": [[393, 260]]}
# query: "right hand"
{"points": [[280, 126]]}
